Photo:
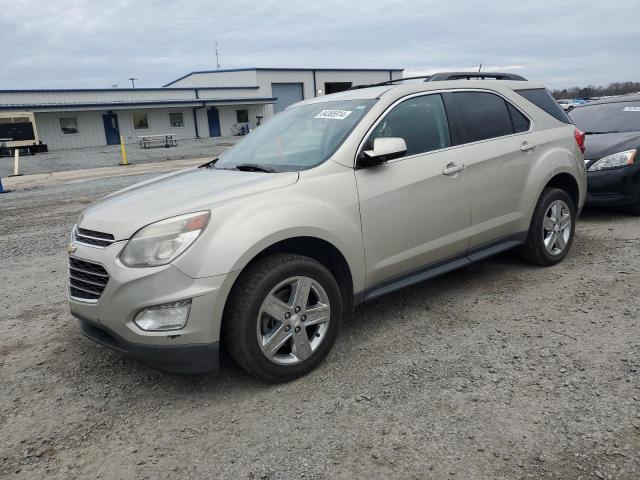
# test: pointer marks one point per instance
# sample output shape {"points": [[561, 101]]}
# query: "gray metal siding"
{"points": [[286, 94]]}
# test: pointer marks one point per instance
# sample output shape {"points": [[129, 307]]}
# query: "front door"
{"points": [[214, 122], [111, 128], [414, 210]]}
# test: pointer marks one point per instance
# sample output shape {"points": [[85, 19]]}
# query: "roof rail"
{"points": [[438, 77]]}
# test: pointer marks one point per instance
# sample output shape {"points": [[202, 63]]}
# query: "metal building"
{"points": [[199, 104]]}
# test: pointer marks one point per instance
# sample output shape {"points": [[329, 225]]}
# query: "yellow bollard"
{"points": [[123, 152]]}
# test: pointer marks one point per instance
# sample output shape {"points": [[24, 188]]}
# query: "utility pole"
{"points": [[479, 68], [133, 82], [217, 58]]}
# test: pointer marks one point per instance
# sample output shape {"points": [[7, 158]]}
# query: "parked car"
{"points": [[612, 129], [570, 103], [335, 201]]}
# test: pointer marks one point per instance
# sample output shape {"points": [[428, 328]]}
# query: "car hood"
{"points": [[124, 212], [598, 146]]}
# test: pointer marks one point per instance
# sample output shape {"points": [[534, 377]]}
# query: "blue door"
{"points": [[214, 122], [111, 128]]}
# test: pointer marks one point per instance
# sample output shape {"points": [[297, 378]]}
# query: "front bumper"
{"points": [[185, 359], [617, 187], [109, 320]]}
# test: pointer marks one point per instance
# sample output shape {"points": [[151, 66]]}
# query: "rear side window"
{"points": [[543, 99], [481, 115], [520, 122], [421, 121]]}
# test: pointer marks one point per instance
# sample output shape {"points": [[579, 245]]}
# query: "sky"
{"points": [[87, 44]]}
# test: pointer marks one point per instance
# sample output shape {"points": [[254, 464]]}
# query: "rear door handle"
{"points": [[527, 147], [453, 168]]}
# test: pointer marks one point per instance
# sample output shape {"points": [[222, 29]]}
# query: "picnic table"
{"points": [[168, 139]]}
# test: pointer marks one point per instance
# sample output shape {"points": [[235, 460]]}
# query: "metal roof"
{"points": [[280, 69], [142, 104]]}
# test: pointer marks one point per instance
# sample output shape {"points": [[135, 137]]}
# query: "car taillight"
{"points": [[579, 139]]}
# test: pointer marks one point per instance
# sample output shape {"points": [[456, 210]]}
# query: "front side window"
{"points": [[421, 121], [242, 116], [481, 115], [299, 137], [69, 125], [176, 120], [140, 121]]}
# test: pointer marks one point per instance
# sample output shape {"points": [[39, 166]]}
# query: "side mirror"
{"points": [[384, 149]]}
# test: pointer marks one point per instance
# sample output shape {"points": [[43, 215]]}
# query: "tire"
{"points": [[535, 250], [253, 327], [634, 208]]}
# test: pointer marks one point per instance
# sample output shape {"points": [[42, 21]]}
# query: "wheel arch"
{"points": [[320, 250], [567, 182]]}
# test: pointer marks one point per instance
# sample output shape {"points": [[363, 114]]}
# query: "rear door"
{"points": [[495, 141]]}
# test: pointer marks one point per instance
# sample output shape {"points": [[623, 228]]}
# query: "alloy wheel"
{"points": [[556, 227], [293, 320]]}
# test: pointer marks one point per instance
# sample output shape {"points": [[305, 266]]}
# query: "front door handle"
{"points": [[453, 168], [527, 147]]}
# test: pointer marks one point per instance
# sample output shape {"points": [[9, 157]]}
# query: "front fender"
{"points": [[241, 229]]}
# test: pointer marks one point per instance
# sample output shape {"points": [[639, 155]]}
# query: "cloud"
{"points": [[90, 43]]}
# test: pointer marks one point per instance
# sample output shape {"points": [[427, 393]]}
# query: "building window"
{"points": [[335, 87], [69, 125], [242, 116], [176, 120], [140, 121]]}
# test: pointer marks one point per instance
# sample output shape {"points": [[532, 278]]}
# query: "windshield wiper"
{"points": [[253, 167], [602, 133], [209, 164]]}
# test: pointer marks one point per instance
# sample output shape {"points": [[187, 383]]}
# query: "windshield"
{"points": [[298, 138], [607, 117]]}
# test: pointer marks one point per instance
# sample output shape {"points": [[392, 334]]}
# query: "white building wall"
{"points": [[90, 130], [91, 127]]}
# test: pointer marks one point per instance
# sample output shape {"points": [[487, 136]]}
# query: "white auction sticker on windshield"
{"points": [[631, 109], [334, 114]]}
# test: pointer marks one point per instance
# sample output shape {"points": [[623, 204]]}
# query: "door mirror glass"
{"points": [[384, 149]]}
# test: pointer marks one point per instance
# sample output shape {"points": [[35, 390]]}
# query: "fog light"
{"points": [[169, 316]]}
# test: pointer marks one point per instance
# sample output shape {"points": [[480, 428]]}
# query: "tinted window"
{"points": [[608, 117], [421, 121], [520, 122], [481, 115], [543, 99]]}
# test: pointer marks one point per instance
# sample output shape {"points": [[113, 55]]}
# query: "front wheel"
{"points": [[552, 228], [282, 317]]}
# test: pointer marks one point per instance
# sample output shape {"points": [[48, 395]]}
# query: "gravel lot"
{"points": [[109, 156], [500, 370]]}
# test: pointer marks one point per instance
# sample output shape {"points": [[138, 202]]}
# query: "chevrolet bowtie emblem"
{"points": [[71, 248]]}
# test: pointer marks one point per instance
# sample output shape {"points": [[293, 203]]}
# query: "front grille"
{"points": [[91, 237], [87, 280]]}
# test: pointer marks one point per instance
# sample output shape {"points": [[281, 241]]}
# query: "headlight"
{"points": [[617, 160], [161, 242]]}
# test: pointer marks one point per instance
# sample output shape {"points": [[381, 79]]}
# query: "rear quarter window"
{"points": [[544, 100]]}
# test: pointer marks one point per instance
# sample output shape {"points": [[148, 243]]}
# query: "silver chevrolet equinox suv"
{"points": [[335, 201]]}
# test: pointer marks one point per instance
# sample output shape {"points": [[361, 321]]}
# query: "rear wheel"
{"points": [[552, 229], [283, 317]]}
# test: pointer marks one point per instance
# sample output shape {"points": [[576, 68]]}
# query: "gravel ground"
{"points": [[109, 156], [500, 370]]}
